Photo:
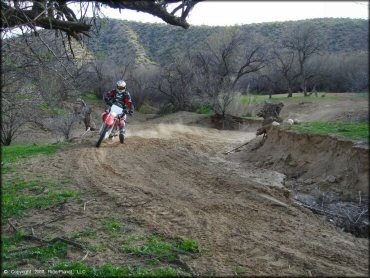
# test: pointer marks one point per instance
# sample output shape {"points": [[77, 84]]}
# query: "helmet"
{"points": [[121, 86]]}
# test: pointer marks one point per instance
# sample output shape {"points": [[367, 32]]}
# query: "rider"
{"points": [[122, 96]]}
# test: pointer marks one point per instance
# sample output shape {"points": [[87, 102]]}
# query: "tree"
{"points": [[17, 106], [223, 63], [176, 82], [286, 64], [59, 15], [140, 83], [304, 42]]}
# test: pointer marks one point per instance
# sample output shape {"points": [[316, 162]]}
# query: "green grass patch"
{"points": [[256, 99], [52, 110], [353, 131], [14, 152], [114, 227], [205, 109], [11, 257], [92, 97], [88, 232], [19, 195], [157, 245], [147, 109], [41, 254], [239, 271], [189, 245], [362, 94]]}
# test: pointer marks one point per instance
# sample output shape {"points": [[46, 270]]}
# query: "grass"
{"points": [[114, 227], [239, 271], [92, 97], [156, 245], [205, 110], [19, 151], [18, 196], [41, 254], [348, 130], [23, 195], [362, 94], [52, 257], [262, 98], [147, 109]]}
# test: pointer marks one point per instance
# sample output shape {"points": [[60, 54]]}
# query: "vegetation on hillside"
{"points": [[172, 69]]}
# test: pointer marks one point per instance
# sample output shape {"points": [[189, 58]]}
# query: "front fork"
{"points": [[122, 125]]}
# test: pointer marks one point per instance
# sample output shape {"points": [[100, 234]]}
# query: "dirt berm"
{"points": [[335, 165]]}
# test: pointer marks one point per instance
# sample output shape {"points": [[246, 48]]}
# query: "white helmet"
{"points": [[121, 86]]}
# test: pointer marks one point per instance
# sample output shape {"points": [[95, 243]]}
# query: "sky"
{"points": [[225, 13]]}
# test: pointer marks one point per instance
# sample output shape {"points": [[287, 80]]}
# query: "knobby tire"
{"points": [[102, 135]]}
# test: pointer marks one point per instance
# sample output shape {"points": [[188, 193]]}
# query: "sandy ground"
{"points": [[175, 180]]}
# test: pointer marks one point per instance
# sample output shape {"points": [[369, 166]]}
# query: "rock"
{"points": [[296, 121], [268, 163], [308, 181], [331, 179], [290, 121], [274, 123]]}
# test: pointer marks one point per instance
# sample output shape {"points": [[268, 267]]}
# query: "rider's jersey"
{"points": [[123, 98]]}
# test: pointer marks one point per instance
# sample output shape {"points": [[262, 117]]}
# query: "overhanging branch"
{"points": [[57, 15]]}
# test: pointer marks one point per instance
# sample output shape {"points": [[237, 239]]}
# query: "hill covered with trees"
{"points": [[161, 43], [209, 64]]}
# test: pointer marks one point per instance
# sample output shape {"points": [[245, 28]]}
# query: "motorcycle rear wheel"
{"points": [[102, 135]]}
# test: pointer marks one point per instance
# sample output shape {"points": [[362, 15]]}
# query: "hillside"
{"points": [[161, 43]]}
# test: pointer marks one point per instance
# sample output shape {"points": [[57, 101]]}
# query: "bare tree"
{"points": [[18, 101], [65, 123], [223, 63], [286, 64], [175, 83], [140, 83], [12, 119], [304, 42]]}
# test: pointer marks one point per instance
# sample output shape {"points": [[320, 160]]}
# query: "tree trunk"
{"points": [[290, 93], [305, 88]]}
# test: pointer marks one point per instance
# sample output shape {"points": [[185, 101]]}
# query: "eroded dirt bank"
{"points": [[324, 173], [338, 165]]}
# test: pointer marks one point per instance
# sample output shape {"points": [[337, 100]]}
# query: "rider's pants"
{"points": [[122, 129]]}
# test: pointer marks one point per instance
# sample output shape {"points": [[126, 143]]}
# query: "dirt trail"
{"points": [[174, 179]]}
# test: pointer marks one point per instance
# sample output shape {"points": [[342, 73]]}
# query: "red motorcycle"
{"points": [[112, 119]]}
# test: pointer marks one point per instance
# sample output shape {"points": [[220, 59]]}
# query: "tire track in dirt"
{"points": [[195, 193]]}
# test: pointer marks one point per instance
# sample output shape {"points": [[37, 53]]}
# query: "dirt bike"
{"points": [[111, 123]]}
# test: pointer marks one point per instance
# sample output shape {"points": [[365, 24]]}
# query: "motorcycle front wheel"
{"points": [[102, 135]]}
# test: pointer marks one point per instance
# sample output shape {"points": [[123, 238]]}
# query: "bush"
{"points": [[205, 109]]}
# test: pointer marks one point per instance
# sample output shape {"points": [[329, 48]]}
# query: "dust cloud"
{"points": [[161, 131]]}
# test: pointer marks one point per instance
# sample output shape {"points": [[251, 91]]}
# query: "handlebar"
{"points": [[125, 111]]}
